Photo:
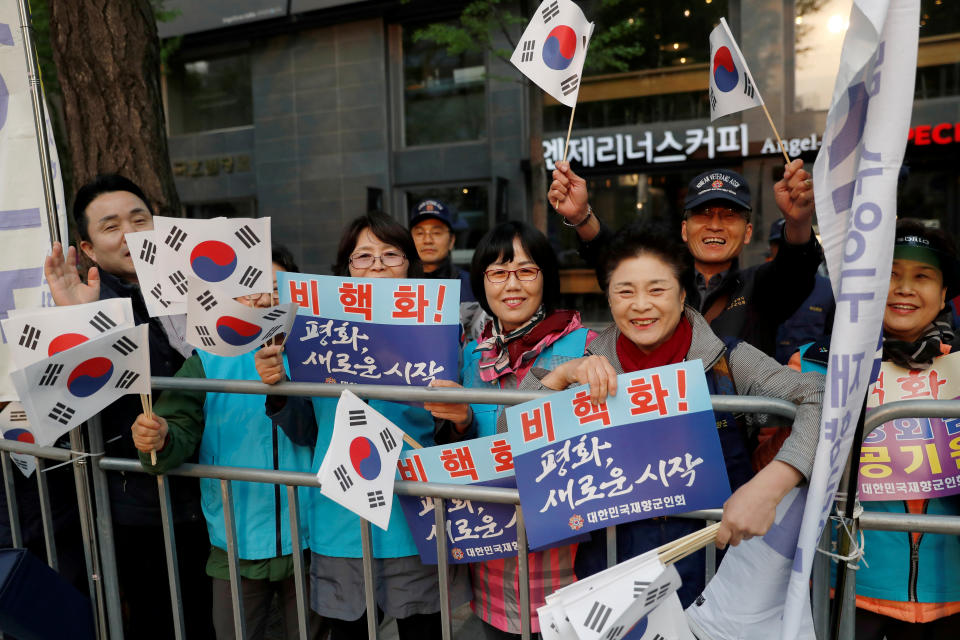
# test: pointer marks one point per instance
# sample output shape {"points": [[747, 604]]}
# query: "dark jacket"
{"points": [[450, 271], [134, 498], [812, 322], [755, 300]]}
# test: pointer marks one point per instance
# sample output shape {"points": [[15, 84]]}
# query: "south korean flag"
{"points": [[359, 467], [232, 254], [221, 325], [62, 391], [144, 251], [35, 334], [15, 426], [553, 49]]}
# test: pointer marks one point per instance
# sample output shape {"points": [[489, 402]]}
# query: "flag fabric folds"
{"points": [[732, 87], [360, 466], [221, 325], [553, 47], [855, 182]]}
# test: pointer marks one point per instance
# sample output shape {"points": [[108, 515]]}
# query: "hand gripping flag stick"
{"points": [[146, 401]]}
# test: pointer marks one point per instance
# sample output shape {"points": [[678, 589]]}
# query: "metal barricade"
{"points": [[292, 481]]}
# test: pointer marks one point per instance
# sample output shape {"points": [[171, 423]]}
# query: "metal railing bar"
{"points": [[46, 517], [711, 557], [820, 594], [611, 536], [443, 575], [170, 551], [523, 576], [909, 409], [49, 453], [97, 530], [299, 575], [12, 511], [366, 548], [233, 562]]}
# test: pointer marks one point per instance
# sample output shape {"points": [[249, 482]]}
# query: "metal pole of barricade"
{"points": [[523, 577], [711, 557], [820, 595], [299, 575], [226, 496], [611, 533], [443, 575], [12, 510], [170, 550], [43, 492], [366, 545], [103, 557]]}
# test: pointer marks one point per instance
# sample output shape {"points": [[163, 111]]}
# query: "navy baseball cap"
{"points": [[719, 184], [428, 209]]}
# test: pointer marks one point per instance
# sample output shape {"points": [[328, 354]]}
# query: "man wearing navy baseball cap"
{"points": [[744, 303], [431, 226]]}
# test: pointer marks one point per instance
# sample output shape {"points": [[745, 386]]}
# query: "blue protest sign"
{"points": [[475, 530], [372, 330], [651, 450]]}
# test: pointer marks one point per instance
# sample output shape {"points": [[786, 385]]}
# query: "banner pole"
{"points": [[39, 120], [783, 149], [569, 130]]}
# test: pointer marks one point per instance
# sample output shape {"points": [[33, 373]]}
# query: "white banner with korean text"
{"points": [[855, 181]]}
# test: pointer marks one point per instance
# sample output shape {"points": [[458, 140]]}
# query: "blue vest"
{"points": [[335, 531], [238, 433], [569, 347]]}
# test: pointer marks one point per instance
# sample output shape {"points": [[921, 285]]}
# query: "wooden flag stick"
{"points": [[783, 148], [566, 144], [146, 401], [410, 441], [682, 547]]}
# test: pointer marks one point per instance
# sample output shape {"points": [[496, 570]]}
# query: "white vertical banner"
{"points": [[24, 233], [855, 182]]}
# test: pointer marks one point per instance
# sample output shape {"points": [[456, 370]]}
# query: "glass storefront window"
{"points": [[244, 208], [469, 205], [205, 95], [444, 95], [819, 28]]}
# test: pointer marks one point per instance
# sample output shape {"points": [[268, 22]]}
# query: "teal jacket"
{"points": [[901, 568], [334, 530]]}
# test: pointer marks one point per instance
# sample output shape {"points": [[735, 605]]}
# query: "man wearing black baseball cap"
{"points": [[744, 303], [431, 226]]}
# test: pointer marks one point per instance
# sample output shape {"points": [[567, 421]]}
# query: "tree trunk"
{"points": [[107, 54], [538, 170]]}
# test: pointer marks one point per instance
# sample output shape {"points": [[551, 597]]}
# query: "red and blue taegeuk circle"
{"points": [[89, 376], [559, 47], [20, 435], [236, 331], [65, 341], [725, 74], [213, 261], [365, 458]]}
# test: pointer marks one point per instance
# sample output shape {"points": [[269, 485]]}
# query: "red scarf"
{"points": [[670, 352]]}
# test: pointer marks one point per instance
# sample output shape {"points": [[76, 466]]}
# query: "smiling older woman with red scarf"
{"points": [[517, 281]]}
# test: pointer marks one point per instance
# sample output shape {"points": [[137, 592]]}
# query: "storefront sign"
{"points": [[942, 133]]}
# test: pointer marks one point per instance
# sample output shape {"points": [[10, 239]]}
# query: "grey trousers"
{"points": [[257, 595]]}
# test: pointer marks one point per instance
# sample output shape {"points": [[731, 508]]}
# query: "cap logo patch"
{"points": [[716, 184]]}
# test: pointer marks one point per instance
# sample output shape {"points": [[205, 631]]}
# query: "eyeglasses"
{"points": [[389, 259], [499, 276]]}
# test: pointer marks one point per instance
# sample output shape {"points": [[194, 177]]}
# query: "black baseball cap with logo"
{"points": [[431, 209], [719, 184]]}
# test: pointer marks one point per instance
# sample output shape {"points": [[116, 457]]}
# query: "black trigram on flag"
{"points": [[206, 300], [276, 313], [204, 336], [250, 276], [271, 332], [570, 85], [125, 346], [246, 235], [389, 442], [61, 413], [597, 617], [656, 595], [102, 322], [50, 375], [126, 379], [639, 586], [148, 252], [376, 499], [179, 281], [357, 418], [748, 86], [18, 416], [614, 632], [155, 292], [175, 238], [550, 11], [340, 473], [30, 337], [528, 47]]}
